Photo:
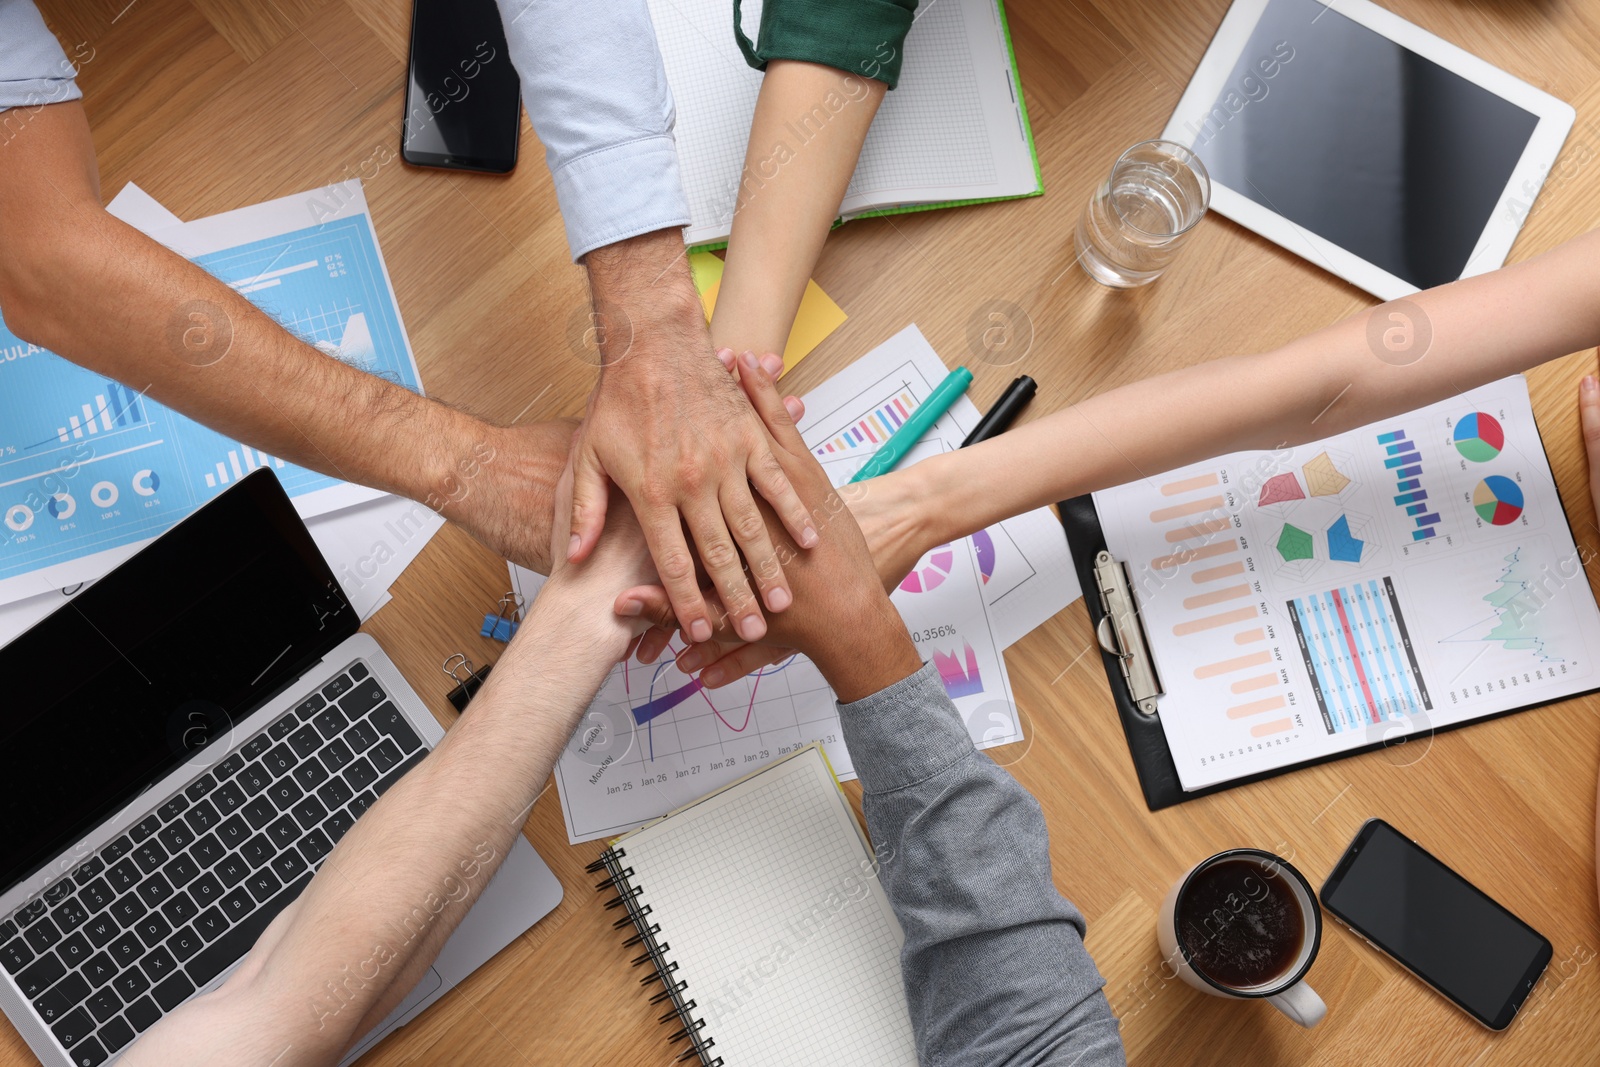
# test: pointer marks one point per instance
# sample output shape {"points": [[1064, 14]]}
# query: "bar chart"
{"points": [[874, 428], [116, 408], [253, 458], [1404, 460]]}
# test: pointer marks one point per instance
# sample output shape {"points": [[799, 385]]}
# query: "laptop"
{"points": [[181, 747]]}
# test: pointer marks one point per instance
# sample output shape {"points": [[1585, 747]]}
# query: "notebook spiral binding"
{"points": [[646, 935]]}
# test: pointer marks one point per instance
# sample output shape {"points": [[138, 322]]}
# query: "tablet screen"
{"points": [[1361, 141]]}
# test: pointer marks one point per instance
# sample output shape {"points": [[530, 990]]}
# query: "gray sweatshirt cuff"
{"points": [[904, 734]]}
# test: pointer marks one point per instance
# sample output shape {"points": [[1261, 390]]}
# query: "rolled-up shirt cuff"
{"points": [[904, 734], [862, 37], [621, 191], [36, 92]]}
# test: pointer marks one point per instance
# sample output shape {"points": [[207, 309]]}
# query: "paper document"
{"points": [[1412, 574], [141, 210], [90, 469]]}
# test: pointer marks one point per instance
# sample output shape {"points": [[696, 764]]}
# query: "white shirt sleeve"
{"points": [[597, 94], [33, 68]]}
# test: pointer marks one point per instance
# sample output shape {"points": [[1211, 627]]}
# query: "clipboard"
{"points": [[1135, 684]]}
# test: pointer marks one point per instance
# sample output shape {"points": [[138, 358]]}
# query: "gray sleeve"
{"points": [[994, 963], [597, 95], [33, 69]]}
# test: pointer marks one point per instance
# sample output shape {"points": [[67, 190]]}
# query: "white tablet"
{"points": [[1368, 146]]}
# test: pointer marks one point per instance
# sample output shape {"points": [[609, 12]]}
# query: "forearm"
{"points": [[994, 963], [454, 818], [1482, 329], [130, 309], [789, 195], [85, 285], [411, 868]]}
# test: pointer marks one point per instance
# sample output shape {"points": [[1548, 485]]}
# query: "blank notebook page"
{"points": [[766, 901]]}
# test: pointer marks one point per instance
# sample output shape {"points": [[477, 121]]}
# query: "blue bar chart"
{"points": [[1403, 458]]}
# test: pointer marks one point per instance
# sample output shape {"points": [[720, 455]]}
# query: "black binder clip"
{"points": [[501, 624], [468, 679]]}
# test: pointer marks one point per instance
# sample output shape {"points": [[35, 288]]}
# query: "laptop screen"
{"points": [[155, 663]]}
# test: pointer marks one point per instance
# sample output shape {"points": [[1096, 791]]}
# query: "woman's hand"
{"points": [[583, 592]]}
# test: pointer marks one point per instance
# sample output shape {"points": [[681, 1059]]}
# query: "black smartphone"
{"points": [[1436, 924], [463, 98]]}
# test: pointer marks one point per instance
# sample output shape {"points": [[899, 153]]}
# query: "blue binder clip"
{"points": [[502, 623]]}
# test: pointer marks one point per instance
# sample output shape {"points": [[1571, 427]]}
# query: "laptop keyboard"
{"points": [[163, 909]]}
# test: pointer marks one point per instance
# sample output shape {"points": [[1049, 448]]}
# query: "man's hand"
{"points": [[669, 427], [499, 485], [842, 618]]}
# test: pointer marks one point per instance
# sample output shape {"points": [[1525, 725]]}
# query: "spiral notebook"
{"points": [[758, 909]]}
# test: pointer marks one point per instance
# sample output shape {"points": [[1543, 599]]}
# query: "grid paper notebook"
{"points": [[759, 909], [955, 130]]}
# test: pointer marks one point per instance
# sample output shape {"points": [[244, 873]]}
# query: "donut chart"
{"points": [[1497, 500], [934, 570], [1479, 437]]}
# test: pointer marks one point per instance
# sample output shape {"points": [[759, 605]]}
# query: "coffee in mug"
{"points": [[1244, 923]]}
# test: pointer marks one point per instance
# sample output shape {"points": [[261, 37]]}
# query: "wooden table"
{"points": [[214, 104]]}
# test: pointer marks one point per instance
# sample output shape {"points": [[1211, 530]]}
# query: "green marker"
{"points": [[910, 432]]}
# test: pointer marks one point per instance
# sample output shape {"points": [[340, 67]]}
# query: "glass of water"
{"points": [[1157, 192]]}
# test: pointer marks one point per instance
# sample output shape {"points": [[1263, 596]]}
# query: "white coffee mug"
{"points": [[1286, 990]]}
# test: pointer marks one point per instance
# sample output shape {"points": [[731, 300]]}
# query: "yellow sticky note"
{"points": [[817, 318]]}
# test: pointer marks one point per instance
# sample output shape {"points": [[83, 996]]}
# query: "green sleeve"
{"points": [[864, 37]]}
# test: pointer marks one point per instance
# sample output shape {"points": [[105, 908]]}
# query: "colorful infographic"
{"points": [[1391, 579], [90, 469]]}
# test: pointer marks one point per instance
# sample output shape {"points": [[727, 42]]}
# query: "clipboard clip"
{"points": [[1121, 633]]}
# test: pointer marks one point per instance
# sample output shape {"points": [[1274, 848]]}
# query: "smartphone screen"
{"points": [[463, 98], [1443, 928]]}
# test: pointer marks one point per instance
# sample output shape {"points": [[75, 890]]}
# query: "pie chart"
{"points": [[1497, 500], [1479, 437], [935, 569]]}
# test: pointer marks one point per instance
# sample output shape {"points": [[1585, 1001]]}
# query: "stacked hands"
{"points": [[783, 530]]}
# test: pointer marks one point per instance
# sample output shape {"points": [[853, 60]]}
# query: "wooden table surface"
{"points": [[215, 104]]}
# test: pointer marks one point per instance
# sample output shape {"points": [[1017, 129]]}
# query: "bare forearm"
{"points": [[805, 138], [85, 285], [146, 316], [367, 924], [1334, 380]]}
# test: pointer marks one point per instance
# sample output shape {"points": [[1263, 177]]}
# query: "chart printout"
{"points": [[654, 739], [90, 469], [1408, 575]]}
